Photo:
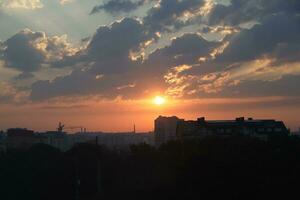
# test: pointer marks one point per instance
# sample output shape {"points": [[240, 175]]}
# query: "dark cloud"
{"points": [[119, 75], [165, 16], [286, 86], [219, 87], [186, 49], [80, 83], [24, 75], [243, 11], [27, 51], [116, 6], [21, 53], [263, 60], [109, 49], [190, 65], [109, 42], [110, 68], [277, 36]]}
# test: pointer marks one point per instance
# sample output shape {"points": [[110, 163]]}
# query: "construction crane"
{"points": [[61, 127], [82, 129]]}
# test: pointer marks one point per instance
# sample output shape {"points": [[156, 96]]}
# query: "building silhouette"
{"points": [[2, 142], [165, 129], [20, 138], [172, 128]]}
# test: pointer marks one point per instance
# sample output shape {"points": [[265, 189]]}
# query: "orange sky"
{"points": [[120, 115]]}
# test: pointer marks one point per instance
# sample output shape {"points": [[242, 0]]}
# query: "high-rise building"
{"points": [[165, 129]]}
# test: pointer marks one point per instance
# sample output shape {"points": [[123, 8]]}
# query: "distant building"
{"points": [[2, 142], [57, 139], [20, 138], [171, 128], [2, 135], [23, 139], [297, 133], [240, 126], [165, 129], [122, 141]]}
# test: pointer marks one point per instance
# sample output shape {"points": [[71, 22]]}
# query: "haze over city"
{"points": [[109, 64]]}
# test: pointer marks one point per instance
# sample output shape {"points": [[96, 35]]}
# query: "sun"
{"points": [[159, 100]]}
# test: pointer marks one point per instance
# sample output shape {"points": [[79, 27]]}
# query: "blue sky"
{"points": [[71, 18], [54, 53]]}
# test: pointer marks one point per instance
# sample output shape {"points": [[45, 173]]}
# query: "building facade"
{"points": [[261, 128], [20, 138], [165, 129], [172, 128]]}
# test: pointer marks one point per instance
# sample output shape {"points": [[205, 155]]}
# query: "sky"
{"points": [[100, 63]]}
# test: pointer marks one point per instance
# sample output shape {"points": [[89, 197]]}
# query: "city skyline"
{"points": [[109, 64]]}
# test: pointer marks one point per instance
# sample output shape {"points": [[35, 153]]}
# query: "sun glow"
{"points": [[159, 100]]}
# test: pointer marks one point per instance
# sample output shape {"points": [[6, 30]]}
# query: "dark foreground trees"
{"points": [[212, 168]]}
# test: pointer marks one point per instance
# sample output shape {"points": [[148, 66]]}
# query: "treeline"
{"points": [[212, 168]]}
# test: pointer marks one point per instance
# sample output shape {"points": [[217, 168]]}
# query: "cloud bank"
{"points": [[242, 49]]}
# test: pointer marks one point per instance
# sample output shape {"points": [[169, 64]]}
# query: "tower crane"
{"points": [[61, 127], [82, 129]]}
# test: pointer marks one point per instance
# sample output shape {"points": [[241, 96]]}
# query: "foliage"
{"points": [[228, 168]]}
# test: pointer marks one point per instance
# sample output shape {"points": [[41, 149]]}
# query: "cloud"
{"points": [[255, 78], [183, 50], [133, 85], [286, 86], [24, 4], [22, 51], [116, 6], [106, 60], [243, 11], [276, 36], [111, 64], [28, 51], [108, 51], [166, 15], [10, 94], [233, 81], [267, 54], [65, 1], [189, 67], [114, 74], [109, 41]]}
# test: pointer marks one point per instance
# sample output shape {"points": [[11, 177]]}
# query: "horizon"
{"points": [[109, 64], [134, 126]]}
